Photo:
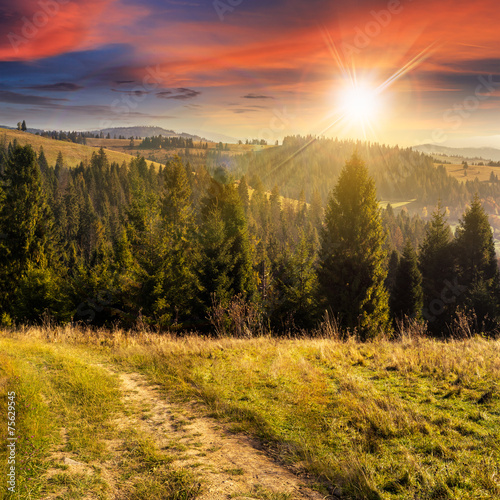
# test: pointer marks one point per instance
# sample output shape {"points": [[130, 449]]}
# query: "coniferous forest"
{"points": [[212, 251]]}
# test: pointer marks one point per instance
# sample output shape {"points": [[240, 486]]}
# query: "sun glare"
{"points": [[360, 104]]}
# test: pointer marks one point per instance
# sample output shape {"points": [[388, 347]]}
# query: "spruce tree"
{"points": [[477, 265], [436, 262], [352, 257], [407, 294], [176, 281], [296, 288], [27, 236]]}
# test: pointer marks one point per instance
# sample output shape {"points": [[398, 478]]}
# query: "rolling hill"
{"points": [[467, 153], [73, 153]]}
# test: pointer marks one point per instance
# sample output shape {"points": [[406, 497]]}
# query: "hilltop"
{"points": [[73, 153], [475, 154], [144, 131]]}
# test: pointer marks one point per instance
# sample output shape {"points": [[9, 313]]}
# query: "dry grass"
{"points": [[73, 153], [413, 418]]}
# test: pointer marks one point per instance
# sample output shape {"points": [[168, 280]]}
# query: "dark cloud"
{"points": [[180, 94], [257, 96], [16, 98], [57, 87], [123, 82], [135, 93], [476, 66]]}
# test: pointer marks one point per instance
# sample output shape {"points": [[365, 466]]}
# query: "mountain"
{"points": [[150, 131], [484, 153], [145, 131]]}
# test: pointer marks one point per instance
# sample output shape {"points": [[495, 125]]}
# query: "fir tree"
{"points": [[297, 286], [407, 294], [28, 241], [436, 264], [352, 257], [176, 281], [477, 265]]}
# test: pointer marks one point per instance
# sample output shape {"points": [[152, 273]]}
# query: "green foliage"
{"points": [[176, 279], [352, 268], [40, 292], [407, 294], [296, 287], [477, 264], [436, 262], [26, 225]]}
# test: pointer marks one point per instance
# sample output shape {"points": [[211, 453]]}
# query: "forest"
{"points": [[183, 249]]}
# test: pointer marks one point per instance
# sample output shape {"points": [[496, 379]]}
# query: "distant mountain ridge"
{"points": [[150, 131], [469, 153], [145, 131]]}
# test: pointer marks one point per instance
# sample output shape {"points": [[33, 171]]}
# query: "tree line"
{"points": [[157, 142], [184, 249]]}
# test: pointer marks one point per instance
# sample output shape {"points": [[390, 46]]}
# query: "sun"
{"points": [[360, 103]]}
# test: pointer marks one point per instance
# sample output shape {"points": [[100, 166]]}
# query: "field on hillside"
{"points": [[123, 146], [409, 419], [482, 173], [73, 153]]}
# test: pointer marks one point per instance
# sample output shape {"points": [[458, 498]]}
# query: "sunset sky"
{"points": [[254, 68]]}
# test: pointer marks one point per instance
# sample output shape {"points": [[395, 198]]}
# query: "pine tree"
{"points": [[42, 161], [176, 281], [477, 265], [217, 263], [297, 286], [407, 294], [436, 264], [352, 256], [28, 240], [243, 192]]}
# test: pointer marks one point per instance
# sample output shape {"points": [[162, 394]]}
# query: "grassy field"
{"points": [[73, 153], [408, 419], [482, 173]]}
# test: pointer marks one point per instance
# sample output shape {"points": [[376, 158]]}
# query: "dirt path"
{"points": [[229, 465]]}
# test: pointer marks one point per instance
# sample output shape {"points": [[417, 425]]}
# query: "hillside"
{"points": [[477, 154], [73, 153], [144, 131], [112, 415]]}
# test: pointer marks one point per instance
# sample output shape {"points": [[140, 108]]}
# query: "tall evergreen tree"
{"points": [[296, 287], [407, 294], [436, 264], [28, 241], [477, 265], [177, 284], [352, 257]]}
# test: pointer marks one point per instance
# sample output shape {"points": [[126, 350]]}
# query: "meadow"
{"points": [[413, 418], [72, 153]]}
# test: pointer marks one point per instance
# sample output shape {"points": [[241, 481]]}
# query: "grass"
{"points": [[408, 419], [66, 404], [73, 153]]}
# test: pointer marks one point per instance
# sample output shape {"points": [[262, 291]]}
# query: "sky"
{"points": [[398, 72]]}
